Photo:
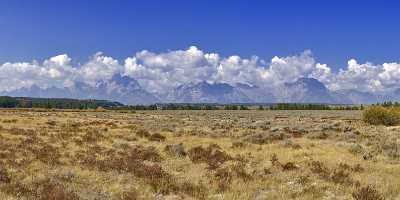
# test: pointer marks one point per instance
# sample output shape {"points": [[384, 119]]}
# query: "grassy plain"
{"points": [[196, 155]]}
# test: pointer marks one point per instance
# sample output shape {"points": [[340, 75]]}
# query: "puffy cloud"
{"points": [[60, 60], [363, 77], [367, 77], [161, 72], [99, 68], [237, 70], [390, 74], [289, 69], [53, 72], [323, 73], [164, 71]]}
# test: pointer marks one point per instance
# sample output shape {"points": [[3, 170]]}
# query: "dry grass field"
{"points": [[55, 155]]}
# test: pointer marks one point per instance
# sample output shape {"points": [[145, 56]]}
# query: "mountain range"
{"points": [[127, 90]]}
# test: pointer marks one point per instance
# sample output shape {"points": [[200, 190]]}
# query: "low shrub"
{"points": [[57, 192], [145, 153], [211, 155], [130, 195], [319, 168], [378, 115], [289, 166], [224, 178], [177, 150], [92, 136], [4, 176], [240, 171], [367, 193], [142, 133], [341, 176], [238, 144], [156, 137]]}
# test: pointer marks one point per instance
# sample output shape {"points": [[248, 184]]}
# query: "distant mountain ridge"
{"points": [[127, 90], [119, 88], [204, 92], [305, 90]]}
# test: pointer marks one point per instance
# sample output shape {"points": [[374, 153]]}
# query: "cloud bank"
{"points": [[161, 72]]}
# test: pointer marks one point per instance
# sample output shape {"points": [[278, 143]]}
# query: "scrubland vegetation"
{"points": [[379, 115], [219, 154]]}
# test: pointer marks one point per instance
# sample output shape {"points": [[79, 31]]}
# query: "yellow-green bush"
{"points": [[378, 115]]}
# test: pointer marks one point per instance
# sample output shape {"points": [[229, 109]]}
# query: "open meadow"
{"points": [[250, 154]]}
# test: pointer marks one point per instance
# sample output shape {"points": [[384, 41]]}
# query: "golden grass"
{"points": [[196, 155]]}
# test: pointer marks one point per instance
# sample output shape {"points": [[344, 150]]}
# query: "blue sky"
{"points": [[334, 31]]}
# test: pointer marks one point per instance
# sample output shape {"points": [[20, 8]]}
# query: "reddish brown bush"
{"points": [[142, 133], [51, 123], [367, 193], [4, 176], [55, 191], [198, 191], [93, 135], [199, 154], [224, 178], [341, 176], [240, 171], [275, 161], [319, 168], [176, 150], [130, 195], [145, 153], [48, 154], [210, 155], [289, 166], [238, 144], [156, 137]]}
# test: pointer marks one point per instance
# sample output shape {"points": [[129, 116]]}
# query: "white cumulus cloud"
{"points": [[161, 72]]}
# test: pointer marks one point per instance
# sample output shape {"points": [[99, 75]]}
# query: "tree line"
{"points": [[57, 103], [388, 104], [295, 106], [60, 103], [279, 106]]}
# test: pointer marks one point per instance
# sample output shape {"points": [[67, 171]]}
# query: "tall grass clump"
{"points": [[378, 115]]}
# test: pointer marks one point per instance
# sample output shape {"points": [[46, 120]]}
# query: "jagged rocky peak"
{"points": [[125, 81], [309, 83], [204, 92], [128, 90]]}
